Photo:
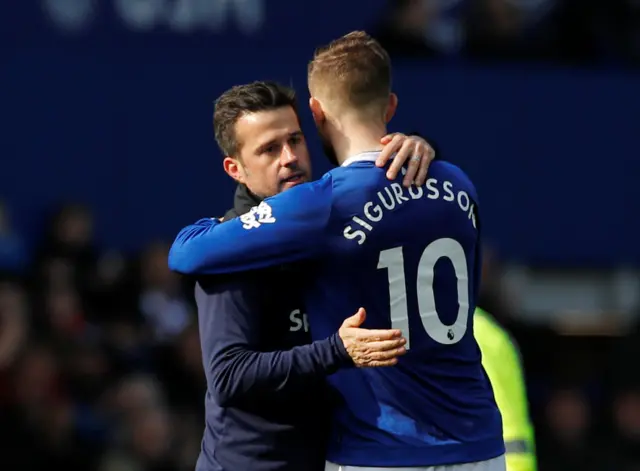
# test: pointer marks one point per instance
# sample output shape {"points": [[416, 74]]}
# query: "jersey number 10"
{"points": [[393, 261]]}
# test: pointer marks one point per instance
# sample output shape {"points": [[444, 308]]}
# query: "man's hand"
{"points": [[413, 148], [370, 348]]}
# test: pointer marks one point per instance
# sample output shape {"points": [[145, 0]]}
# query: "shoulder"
{"points": [[352, 179], [450, 170], [445, 170]]}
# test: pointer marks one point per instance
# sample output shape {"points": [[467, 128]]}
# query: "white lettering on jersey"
{"points": [[299, 321], [395, 195], [257, 216], [350, 233]]}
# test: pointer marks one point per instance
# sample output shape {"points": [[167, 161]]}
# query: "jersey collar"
{"points": [[363, 157]]}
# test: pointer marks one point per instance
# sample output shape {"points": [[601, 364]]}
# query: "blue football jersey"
{"points": [[411, 258]]}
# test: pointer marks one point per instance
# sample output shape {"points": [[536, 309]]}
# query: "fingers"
{"points": [[380, 364], [379, 354], [388, 358], [385, 346], [421, 178], [389, 149], [421, 157], [376, 335], [413, 166], [413, 151], [369, 348], [387, 139], [404, 153]]}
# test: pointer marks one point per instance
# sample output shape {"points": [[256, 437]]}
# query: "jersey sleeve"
{"points": [[288, 227], [237, 370], [501, 361]]}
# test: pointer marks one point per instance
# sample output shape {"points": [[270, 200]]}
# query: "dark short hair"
{"points": [[241, 100]]}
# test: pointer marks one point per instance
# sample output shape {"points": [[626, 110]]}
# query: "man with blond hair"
{"points": [[410, 256]]}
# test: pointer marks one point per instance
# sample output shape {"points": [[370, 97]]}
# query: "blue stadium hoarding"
{"points": [[113, 106]]}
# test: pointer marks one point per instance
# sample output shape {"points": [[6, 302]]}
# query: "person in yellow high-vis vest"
{"points": [[501, 361]]}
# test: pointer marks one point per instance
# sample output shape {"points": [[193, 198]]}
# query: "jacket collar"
{"points": [[243, 201]]}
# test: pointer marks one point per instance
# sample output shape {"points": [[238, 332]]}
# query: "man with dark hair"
{"points": [[259, 111], [411, 256], [268, 406], [243, 99]]}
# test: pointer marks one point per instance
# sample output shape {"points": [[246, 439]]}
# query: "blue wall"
{"points": [[122, 120]]}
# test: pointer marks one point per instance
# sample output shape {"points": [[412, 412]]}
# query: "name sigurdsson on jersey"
{"points": [[395, 195]]}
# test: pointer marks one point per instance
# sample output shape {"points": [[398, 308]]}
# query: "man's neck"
{"points": [[349, 139]]}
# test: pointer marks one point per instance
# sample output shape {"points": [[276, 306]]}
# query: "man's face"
{"points": [[272, 153]]}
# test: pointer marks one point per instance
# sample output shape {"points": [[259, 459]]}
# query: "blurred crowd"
{"points": [[567, 31], [100, 367]]}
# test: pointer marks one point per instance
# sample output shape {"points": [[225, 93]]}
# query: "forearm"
{"points": [[286, 228], [239, 374], [188, 254], [210, 247]]}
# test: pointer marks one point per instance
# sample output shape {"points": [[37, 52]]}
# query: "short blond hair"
{"points": [[353, 71]]}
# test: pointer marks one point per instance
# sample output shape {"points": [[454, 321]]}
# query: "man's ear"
{"points": [[234, 169], [316, 111], [392, 106]]}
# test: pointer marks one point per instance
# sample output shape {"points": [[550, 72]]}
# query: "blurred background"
{"points": [[107, 150]]}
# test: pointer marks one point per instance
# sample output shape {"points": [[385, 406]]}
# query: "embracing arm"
{"points": [[230, 320], [289, 227]]}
